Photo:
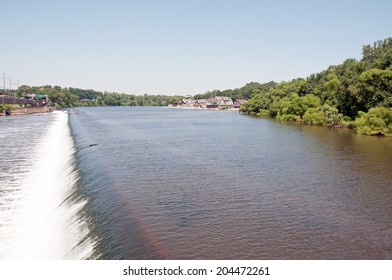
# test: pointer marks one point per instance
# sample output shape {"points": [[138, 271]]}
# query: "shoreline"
{"points": [[27, 111]]}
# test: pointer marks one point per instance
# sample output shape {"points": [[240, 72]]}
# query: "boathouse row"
{"points": [[218, 102]]}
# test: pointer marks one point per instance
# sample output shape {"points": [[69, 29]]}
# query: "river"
{"points": [[159, 183]]}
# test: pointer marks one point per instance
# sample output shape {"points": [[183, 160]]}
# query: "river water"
{"points": [[159, 183]]}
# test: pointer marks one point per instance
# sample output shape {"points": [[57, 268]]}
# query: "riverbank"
{"points": [[27, 111]]}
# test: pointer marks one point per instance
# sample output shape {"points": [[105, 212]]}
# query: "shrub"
{"points": [[263, 113], [289, 117], [315, 116], [332, 115], [378, 121]]}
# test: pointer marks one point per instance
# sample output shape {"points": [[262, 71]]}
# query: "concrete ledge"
{"points": [[31, 110]]}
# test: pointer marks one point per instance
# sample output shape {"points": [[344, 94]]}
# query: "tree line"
{"points": [[355, 92], [245, 92], [76, 97]]}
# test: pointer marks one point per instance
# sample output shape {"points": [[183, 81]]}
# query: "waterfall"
{"points": [[41, 213]]}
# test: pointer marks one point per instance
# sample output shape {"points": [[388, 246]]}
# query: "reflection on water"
{"points": [[184, 184]]}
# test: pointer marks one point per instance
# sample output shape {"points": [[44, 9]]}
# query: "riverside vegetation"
{"points": [[354, 93]]}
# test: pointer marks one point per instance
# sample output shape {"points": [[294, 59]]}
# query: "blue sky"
{"points": [[181, 47]]}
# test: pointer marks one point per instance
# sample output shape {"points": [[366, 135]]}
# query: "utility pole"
{"points": [[3, 83]]}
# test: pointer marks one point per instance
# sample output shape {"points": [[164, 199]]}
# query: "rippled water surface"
{"points": [[189, 184]]}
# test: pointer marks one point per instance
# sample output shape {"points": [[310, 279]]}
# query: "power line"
{"points": [[11, 84]]}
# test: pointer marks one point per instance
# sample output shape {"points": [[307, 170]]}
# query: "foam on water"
{"points": [[40, 216]]}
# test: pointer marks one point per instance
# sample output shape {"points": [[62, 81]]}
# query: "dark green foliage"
{"points": [[374, 88], [379, 55]]}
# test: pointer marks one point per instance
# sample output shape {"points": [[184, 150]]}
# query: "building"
{"points": [[237, 104], [220, 102]]}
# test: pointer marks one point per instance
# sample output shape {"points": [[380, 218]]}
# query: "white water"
{"points": [[36, 219]]}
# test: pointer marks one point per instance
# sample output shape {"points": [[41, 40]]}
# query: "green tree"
{"points": [[331, 88], [23, 90], [379, 55], [374, 88], [99, 101], [378, 121]]}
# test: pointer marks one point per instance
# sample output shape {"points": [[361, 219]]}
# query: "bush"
{"points": [[315, 116], [289, 117], [332, 115], [4, 107], [378, 121], [263, 113]]}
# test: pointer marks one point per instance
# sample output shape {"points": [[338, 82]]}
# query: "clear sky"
{"points": [[181, 47]]}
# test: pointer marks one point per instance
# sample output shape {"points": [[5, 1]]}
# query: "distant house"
{"points": [[176, 104], [188, 102], [220, 102], [237, 104], [29, 96], [225, 102], [210, 104], [201, 103]]}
